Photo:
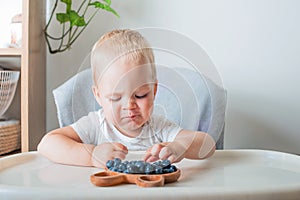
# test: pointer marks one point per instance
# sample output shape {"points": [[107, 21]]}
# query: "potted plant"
{"points": [[73, 22]]}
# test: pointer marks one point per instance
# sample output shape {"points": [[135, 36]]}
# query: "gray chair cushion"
{"points": [[184, 96]]}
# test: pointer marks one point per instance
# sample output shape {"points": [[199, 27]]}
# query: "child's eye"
{"points": [[141, 96], [114, 98]]}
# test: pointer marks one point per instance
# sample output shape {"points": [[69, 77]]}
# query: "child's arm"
{"points": [[187, 144], [64, 146]]}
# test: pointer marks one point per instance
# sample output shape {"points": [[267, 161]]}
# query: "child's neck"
{"points": [[131, 134]]}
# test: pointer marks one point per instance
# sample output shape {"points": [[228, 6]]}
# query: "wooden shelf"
{"points": [[32, 57], [10, 52]]}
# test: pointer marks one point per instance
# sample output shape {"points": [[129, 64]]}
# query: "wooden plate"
{"points": [[110, 178]]}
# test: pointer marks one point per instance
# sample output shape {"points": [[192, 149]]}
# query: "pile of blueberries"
{"points": [[140, 167]]}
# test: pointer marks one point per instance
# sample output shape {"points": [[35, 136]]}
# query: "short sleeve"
{"points": [[166, 129], [86, 128]]}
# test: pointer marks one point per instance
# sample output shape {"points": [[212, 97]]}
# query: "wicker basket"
{"points": [[8, 84], [10, 136]]}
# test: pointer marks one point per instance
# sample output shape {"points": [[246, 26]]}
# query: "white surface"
{"points": [[229, 174], [254, 44]]}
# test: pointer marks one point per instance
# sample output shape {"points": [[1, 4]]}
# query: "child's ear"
{"points": [[155, 88], [96, 94]]}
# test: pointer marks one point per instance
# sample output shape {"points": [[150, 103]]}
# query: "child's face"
{"points": [[126, 92]]}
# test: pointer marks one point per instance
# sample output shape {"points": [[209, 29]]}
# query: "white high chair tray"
{"points": [[228, 174]]}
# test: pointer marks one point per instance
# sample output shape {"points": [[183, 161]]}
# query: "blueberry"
{"points": [[109, 164], [170, 169], [158, 163], [126, 162], [122, 167], [158, 170], [129, 165], [173, 167], [165, 163], [149, 168], [113, 169], [133, 162], [141, 166], [167, 170], [117, 161], [132, 169], [142, 169], [139, 163]]}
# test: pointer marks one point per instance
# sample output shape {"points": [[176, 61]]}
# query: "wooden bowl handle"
{"points": [[105, 179], [150, 180]]}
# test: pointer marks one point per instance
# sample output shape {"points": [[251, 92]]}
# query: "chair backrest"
{"points": [[184, 96]]}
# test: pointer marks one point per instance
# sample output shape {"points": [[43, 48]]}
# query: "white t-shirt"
{"points": [[94, 129]]}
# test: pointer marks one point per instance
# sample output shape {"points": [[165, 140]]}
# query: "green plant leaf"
{"points": [[75, 19], [97, 4], [108, 2], [68, 34], [62, 17], [110, 9], [103, 6]]}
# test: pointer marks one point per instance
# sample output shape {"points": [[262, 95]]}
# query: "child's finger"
{"points": [[165, 153], [120, 147], [152, 159], [172, 158], [156, 150], [119, 154], [147, 156], [152, 153]]}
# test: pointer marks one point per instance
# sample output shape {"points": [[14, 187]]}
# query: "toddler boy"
{"points": [[125, 86]]}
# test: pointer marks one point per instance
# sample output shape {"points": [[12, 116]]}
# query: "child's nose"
{"points": [[131, 104]]}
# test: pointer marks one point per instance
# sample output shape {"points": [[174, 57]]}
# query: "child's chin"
{"points": [[134, 123], [132, 131], [133, 128]]}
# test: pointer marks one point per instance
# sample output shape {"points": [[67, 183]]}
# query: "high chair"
{"points": [[184, 96]]}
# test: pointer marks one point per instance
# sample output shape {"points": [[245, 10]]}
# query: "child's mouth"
{"points": [[131, 116]]}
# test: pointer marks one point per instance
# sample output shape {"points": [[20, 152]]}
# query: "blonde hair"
{"points": [[125, 44]]}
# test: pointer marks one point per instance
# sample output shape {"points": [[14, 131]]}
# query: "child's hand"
{"points": [[108, 151], [171, 151]]}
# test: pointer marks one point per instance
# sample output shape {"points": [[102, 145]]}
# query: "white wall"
{"points": [[7, 12], [254, 44]]}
